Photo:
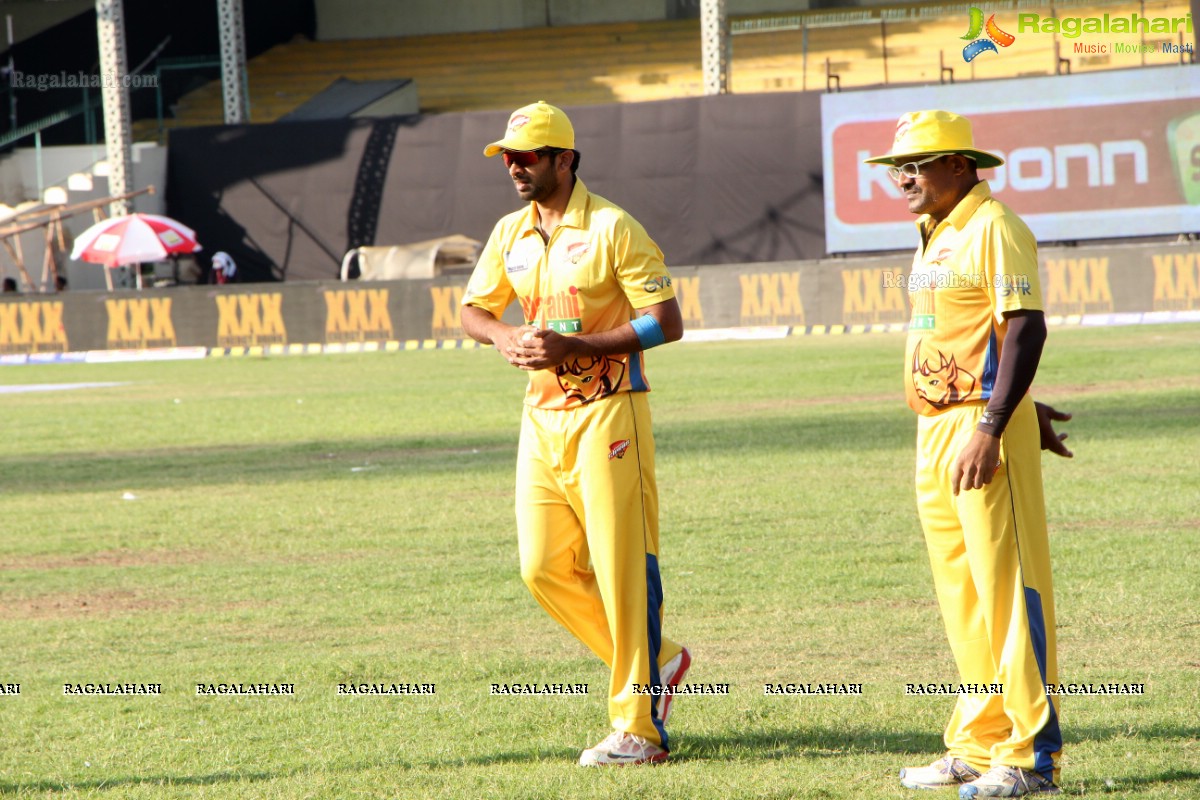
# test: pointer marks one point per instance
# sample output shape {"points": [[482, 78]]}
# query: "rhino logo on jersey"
{"points": [[586, 379], [943, 386]]}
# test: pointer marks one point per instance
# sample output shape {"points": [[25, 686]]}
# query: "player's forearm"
{"points": [[1019, 360], [480, 325], [618, 341], [626, 339]]}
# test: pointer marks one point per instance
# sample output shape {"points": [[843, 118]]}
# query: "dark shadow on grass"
{"points": [[857, 431], [778, 744], [213, 779], [457, 452], [254, 464], [564, 755], [1075, 735], [1129, 416], [808, 743], [156, 780], [1121, 785], [765, 745], [797, 430], [442, 452]]}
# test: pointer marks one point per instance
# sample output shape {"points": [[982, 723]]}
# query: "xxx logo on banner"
{"points": [[988, 43]]}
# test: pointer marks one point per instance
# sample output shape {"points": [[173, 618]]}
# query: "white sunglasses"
{"points": [[912, 169]]}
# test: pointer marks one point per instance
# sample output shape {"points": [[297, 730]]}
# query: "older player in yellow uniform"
{"points": [[973, 349], [595, 294]]}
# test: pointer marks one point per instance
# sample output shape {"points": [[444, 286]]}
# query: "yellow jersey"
{"points": [[599, 266], [976, 264]]}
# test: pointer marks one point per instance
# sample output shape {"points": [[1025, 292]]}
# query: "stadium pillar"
{"points": [[714, 42], [110, 30], [233, 61]]}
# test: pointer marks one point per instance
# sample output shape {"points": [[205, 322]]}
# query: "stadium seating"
{"points": [[632, 62]]}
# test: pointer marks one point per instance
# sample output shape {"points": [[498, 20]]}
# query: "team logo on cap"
{"points": [[517, 121], [901, 128], [994, 37]]}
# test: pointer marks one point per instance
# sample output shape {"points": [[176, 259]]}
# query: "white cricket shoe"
{"points": [[620, 749], [671, 675], [1007, 782], [946, 771]]}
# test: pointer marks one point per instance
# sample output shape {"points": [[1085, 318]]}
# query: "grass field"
{"points": [[326, 519]]}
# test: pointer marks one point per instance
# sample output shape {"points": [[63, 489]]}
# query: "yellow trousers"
{"points": [[990, 556], [587, 526]]}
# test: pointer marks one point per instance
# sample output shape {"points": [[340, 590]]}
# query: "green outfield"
{"points": [[326, 520]]}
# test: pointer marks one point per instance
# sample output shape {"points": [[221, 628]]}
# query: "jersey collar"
{"points": [[960, 214], [574, 217]]}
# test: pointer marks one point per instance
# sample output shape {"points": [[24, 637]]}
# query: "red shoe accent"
{"points": [[665, 700]]}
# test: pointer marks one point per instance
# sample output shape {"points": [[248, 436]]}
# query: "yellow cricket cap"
{"points": [[533, 127]]}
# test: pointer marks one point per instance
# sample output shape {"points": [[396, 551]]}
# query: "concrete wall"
{"points": [[18, 183], [19, 169]]}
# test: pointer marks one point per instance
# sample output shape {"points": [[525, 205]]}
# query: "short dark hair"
{"points": [[554, 151], [971, 163]]}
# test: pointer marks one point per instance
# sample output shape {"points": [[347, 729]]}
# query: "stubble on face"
{"points": [[933, 192], [538, 182]]}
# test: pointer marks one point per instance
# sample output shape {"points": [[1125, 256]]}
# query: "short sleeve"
{"points": [[489, 287], [639, 266], [1011, 266]]}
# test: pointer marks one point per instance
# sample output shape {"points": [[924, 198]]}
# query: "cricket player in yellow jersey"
{"points": [[974, 344], [595, 294]]}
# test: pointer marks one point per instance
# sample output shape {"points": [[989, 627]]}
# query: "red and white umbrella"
{"points": [[133, 239]]}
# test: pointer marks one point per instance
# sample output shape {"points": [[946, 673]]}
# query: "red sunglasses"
{"points": [[526, 158]]}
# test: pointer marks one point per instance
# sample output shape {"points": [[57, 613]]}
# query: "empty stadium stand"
{"points": [[638, 61]]}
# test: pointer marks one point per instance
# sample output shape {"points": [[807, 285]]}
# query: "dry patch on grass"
{"points": [[108, 558], [1121, 524], [127, 559], [64, 605], [1067, 391], [743, 409]]}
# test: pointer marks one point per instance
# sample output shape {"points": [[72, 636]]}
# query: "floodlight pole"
{"points": [[714, 44], [114, 91], [233, 61]]}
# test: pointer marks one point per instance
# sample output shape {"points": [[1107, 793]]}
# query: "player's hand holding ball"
{"points": [[522, 345], [533, 348]]}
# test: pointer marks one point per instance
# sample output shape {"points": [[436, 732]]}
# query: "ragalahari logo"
{"points": [[988, 43]]}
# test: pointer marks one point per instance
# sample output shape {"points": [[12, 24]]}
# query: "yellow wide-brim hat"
{"points": [[533, 127], [926, 133]]}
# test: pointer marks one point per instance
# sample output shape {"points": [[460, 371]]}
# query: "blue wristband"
{"points": [[649, 332]]}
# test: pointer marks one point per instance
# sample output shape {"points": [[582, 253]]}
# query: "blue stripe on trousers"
{"points": [[1048, 740], [654, 600]]}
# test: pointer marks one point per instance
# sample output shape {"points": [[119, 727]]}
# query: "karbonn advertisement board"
{"points": [[1096, 156]]}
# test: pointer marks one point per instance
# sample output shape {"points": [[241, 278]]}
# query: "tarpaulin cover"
{"points": [[725, 179]]}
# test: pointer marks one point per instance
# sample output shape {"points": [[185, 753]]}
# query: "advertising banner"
{"points": [[1095, 156], [1087, 285]]}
